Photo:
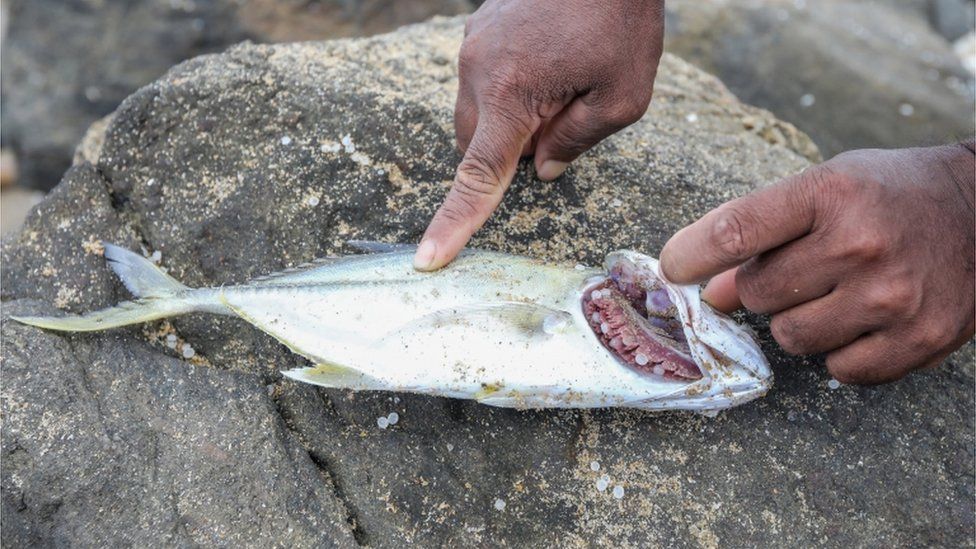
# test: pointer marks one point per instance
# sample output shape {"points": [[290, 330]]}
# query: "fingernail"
{"points": [[551, 169], [424, 258]]}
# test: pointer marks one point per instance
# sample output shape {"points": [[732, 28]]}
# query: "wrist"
{"points": [[958, 162]]}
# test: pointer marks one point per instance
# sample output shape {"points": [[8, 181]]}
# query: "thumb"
{"points": [[721, 293], [481, 180], [745, 227]]}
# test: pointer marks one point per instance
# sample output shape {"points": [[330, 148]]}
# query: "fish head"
{"points": [[664, 331]]}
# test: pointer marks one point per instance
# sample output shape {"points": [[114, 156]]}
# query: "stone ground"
{"points": [[233, 166]]}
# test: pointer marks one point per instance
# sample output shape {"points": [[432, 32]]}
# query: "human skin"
{"points": [[868, 257], [548, 78]]}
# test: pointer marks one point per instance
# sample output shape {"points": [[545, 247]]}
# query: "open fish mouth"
{"points": [[632, 315]]}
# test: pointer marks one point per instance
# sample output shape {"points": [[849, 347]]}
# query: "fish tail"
{"points": [[160, 295], [140, 276], [123, 314]]}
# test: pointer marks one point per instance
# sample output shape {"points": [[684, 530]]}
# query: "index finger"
{"points": [[742, 228], [481, 180]]}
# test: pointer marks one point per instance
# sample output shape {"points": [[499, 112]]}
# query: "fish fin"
{"points": [[292, 270], [528, 318], [487, 390], [337, 376], [123, 314], [374, 247], [140, 276]]}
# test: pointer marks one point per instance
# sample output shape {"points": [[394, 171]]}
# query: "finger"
{"points": [[871, 359], [830, 322], [570, 133], [481, 180], [721, 294], [737, 230], [786, 276], [465, 118]]}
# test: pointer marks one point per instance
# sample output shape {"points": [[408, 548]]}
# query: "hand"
{"points": [[552, 77], [867, 257]]}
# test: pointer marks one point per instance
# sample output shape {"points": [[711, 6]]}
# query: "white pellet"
{"points": [[156, 256], [188, 351], [658, 370], [618, 492], [604, 327], [450, 447], [286, 140], [313, 201], [807, 100], [393, 418], [596, 294], [500, 504], [691, 118], [641, 359], [382, 422], [594, 466], [906, 109], [171, 341], [602, 483], [595, 317], [833, 384]]}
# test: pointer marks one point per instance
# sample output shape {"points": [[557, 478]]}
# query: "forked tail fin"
{"points": [[160, 296]]}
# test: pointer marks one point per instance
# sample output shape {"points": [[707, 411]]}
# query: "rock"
{"points": [[965, 48], [215, 165], [850, 74], [953, 19], [66, 64]]}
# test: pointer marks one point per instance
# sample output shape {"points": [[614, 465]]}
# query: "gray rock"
{"points": [[953, 19], [67, 63], [850, 74], [221, 450]]}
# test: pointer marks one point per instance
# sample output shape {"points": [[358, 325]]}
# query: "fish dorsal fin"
{"points": [[374, 247], [315, 263], [529, 319]]}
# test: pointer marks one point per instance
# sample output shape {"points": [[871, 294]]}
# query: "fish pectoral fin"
{"points": [[336, 376], [527, 318], [375, 247]]}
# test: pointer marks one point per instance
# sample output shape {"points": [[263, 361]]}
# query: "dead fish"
{"points": [[501, 329]]}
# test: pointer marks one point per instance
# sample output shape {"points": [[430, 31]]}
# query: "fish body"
{"points": [[502, 329]]}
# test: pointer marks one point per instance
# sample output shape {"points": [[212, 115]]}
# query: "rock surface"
{"points": [[850, 74], [243, 163], [65, 64]]}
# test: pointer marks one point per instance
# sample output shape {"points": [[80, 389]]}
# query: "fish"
{"points": [[504, 330]]}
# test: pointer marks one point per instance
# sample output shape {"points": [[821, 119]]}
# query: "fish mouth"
{"points": [[632, 315]]}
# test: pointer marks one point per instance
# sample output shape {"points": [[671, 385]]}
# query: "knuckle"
{"points": [[467, 59], [627, 111], [931, 337], [475, 176], [890, 298], [755, 284], [791, 334], [730, 239], [867, 246]]}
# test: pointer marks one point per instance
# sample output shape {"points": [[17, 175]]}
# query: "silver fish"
{"points": [[501, 329]]}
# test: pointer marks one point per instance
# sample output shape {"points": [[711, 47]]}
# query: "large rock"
{"points": [[233, 166], [850, 74], [67, 63]]}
